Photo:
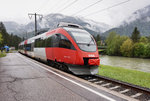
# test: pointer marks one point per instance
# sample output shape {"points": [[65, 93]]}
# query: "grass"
{"points": [[101, 50], [126, 75], [2, 54]]}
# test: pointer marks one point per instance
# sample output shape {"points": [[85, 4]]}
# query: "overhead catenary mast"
{"points": [[35, 15]]}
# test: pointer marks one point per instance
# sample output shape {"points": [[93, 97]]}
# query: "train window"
{"points": [[52, 41], [32, 46], [65, 43], [28, 47], [55, 40], [40, 42], [36, 43], [48, 42]]}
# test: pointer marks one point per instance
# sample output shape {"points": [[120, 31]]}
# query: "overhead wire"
{"points": [[118, 4], [67, 6], [54, 5], [43, 5], [71, 3], [86, 7]]}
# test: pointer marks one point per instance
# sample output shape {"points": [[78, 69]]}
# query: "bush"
{"points": [[127, 48], [114, 41], [98, 43], [147, 50], [139, 49], [143, 39]]}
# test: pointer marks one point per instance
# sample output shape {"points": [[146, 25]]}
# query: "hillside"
{"points": [[50, 21], [139, 19]]}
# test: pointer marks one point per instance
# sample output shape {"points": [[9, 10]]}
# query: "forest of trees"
{"points": [[6, 39], [134, 46]]}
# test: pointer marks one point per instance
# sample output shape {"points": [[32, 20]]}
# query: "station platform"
{"points": [[24, 79]]}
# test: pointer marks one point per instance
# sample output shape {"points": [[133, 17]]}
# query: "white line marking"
{"points": [[114, 87], [136, 95], [124, 91], [89, 89]]}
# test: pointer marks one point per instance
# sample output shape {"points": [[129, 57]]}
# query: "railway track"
{"points": [[134, 91]]}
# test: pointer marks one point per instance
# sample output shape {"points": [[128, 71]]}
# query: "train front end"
{"points": [[87, 56]]}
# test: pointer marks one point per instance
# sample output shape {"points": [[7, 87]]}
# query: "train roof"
{"points": [[64, 25]]}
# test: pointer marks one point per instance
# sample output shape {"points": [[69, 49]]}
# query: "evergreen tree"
{"points": [[10, 40], [1, 38], [4, 34], [135, 35], [98, 38]]}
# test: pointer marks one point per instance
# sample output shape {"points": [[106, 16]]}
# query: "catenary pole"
{"points": [[35, 15]]}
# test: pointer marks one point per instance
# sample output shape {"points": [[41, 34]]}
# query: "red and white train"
{"points": [[70, 47]]}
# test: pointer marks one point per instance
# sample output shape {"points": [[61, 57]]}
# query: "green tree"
{"points": [[127, 48], [114, 41], [110, 41], [10, 40], [148, 38], [147, 50], [4, 34], [143, 39], [135, 35], [98, 38], [98, 43], [1, 38], [139, 49]]}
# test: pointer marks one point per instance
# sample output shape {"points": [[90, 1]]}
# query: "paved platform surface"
{"points": [[22, 79]]}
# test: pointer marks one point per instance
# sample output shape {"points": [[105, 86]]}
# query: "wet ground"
{"points": [[24, 80]]}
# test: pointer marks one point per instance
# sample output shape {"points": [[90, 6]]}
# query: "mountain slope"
{"points": [[139, 19], [51, 21]]}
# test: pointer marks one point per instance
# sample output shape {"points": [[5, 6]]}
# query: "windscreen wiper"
{"points": [[89, 43]]}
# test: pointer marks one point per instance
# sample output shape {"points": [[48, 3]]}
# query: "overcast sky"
{"points": [[17, 10]]}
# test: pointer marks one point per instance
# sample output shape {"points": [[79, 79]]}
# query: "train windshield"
{"points": [[83, 39]]}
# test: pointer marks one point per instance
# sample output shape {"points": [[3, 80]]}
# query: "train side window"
{"points": [[43, 42], [37, 43], [55, 40], [48, 42], [64, 42], [32, 46], [40, 42], [28, 47]]}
